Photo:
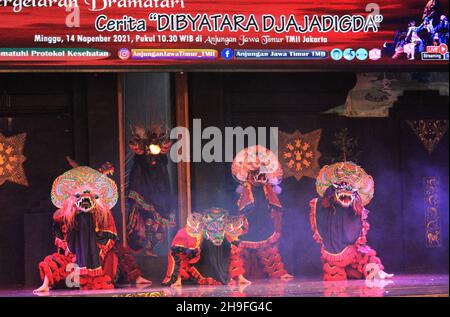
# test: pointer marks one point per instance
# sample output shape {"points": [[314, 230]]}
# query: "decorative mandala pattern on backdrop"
{"points": [[298, 153], [12, 158], [429, 132]]}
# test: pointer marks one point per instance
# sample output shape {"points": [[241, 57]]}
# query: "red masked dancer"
{"points": [[259, 172], [88, 255], [207, 250], [85, 231], [338, 221]]}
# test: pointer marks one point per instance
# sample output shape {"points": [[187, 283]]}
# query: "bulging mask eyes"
{"points": [[77, 195], [96, 197]]}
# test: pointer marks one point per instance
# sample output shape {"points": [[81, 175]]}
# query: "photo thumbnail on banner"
{"points": [[209, 34]]}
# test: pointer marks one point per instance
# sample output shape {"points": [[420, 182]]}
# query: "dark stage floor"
{"points": [[402, 285]]}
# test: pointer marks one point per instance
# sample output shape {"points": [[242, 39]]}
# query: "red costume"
{"points": [[338, 221], [87, 254], [257, 167], [207, 250]]}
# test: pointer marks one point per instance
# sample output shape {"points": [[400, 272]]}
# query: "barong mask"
{"points": [[258, 166], [215, 224], [345, 194], [152, 143], [83, 189], [351, 184], [86, 201]]}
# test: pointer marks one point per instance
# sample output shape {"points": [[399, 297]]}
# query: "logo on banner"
{"points": [[436, 53], [124, 54], [336, 54], [349, 54], [441, 49], [362, 54], [375, 54], [227, 54]]}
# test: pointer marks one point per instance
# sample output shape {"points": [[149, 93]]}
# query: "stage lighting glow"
{"points": [[154, 149]]}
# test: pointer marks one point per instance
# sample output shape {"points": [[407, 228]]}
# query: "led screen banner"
{"points": [[211, 34]]}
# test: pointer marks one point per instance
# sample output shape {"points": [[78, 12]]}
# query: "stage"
{"points": [[399, 286]]}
